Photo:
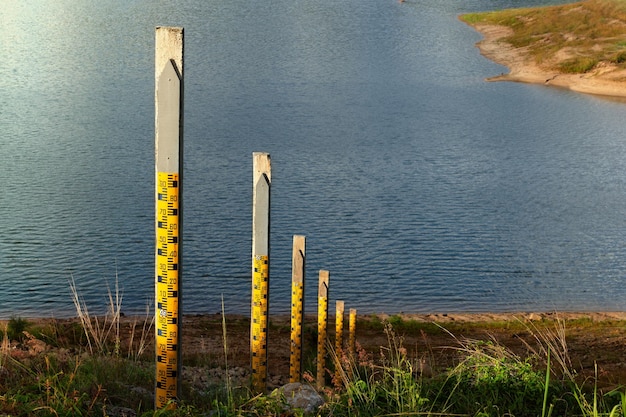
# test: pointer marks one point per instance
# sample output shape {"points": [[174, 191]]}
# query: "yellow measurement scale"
{"points": [[297, 317], [167, 287], [260, 291]]}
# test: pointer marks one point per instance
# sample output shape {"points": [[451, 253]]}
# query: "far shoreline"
{"points": [[435, 317], [601, 81]]}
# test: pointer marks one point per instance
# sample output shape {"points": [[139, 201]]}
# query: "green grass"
{"points": [[578, 65], [504, 383]]}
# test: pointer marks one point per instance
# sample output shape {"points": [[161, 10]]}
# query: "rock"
{"points": [[276, 381], [142, 392], [300, 396], [533, 317], [35, 346], [423, 369], [121, 412]]}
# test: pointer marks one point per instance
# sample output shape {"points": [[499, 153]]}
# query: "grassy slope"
{"points": [[571, 38], [406, 367]]}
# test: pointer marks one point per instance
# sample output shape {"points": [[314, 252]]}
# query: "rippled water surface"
{"points": [[420, 187]]}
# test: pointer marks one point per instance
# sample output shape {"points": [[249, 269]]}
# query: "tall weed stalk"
{"points": [[544, 412], [229, 388], [146, 327], [551, 343], [5, 348]]}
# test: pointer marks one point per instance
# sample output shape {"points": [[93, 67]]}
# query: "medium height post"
{"points": [[339, 309], [352, 333], [297, 307], [262, 179], [322, 324], [168, 222]]}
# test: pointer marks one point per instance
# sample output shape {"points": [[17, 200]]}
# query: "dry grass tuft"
{"points": [[103, 333]]}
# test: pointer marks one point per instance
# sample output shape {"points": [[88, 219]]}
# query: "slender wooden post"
{"points": [[352, 333], [169, 181], [260, 268], [339, 310], [322, 323], [297, 307]]}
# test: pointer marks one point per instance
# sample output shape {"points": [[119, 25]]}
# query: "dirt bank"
{"points": [[431, 340]]}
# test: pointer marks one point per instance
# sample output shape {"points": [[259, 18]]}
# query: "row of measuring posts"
{"points": [[169, 77], [260, 298], [259, 332]]}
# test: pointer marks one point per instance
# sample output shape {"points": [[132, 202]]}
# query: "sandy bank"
{"points": [[517, 317], [605, 79]]}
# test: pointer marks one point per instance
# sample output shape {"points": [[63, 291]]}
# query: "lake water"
{"points": [[419, 186]]}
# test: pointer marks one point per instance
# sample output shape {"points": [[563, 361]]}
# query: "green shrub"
{"points": [[491, 381], [620, 57], [390, 387], [15, 328], [578, 65]]}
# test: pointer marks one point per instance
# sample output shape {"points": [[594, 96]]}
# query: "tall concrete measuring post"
{"points": [[168, 76], [262, 179]]}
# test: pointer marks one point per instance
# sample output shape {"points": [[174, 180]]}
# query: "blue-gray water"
{"points": [[420, 187]]}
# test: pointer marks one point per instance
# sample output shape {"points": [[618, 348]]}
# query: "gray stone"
{"points": [[121, 412], [300, 396]]}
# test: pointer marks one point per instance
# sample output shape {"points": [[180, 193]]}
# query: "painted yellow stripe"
{"points": [[322, 322], [167, 287], [295, 362], [352, 333], [260, 294]]}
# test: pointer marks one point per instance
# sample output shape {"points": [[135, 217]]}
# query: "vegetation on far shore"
{"points": [[570, 38]]}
